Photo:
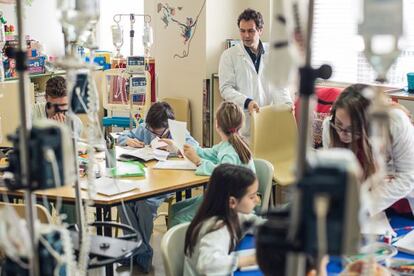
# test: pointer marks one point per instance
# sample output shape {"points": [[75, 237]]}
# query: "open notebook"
{"points": [[406, 244], [143, 154]]}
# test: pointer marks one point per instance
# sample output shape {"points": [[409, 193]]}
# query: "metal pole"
{"points": [[304, 100], [131, 34], [25, 124]]}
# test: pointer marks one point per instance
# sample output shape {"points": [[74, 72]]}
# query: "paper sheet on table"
{"points": [[178, 130], [110, 186], [160, 155], [175, 165], [377, 225], [156, 143]]}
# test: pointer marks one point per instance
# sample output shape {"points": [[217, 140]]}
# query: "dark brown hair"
{"points": [[250, 14], [356, 105], [230, 119], [158, 115], [56, 87], [226, 181]]}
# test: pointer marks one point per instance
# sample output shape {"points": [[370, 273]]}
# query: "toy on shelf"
{"points": [[35, 62]]}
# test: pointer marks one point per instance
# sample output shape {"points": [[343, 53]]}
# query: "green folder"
{"points": [[128, 169]]}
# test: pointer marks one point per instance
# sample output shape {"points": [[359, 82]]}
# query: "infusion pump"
{"points": [[137, 84], [135, 64]]}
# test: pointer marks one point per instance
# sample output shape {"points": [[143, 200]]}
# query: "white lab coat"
{"points": [[238, 81]]}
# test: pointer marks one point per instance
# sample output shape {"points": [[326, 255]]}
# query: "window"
{"points": [[108, 9], [335, 41]]}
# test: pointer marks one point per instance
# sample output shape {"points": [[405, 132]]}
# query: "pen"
{"points": [[404, 228]]}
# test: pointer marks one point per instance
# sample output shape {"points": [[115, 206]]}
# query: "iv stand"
{"points": [[296, 260], [117, 18], [26, 125]]}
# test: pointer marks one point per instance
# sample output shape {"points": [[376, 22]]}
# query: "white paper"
{"points": [[377, 225], [160, 155], [110, 186], [406, 244], [145, 153], [248, 252], [175, 165], [156, 143], [178, 130]]}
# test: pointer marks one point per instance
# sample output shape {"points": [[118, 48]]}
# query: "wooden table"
{"points": [[400, 94], [155, 183]]}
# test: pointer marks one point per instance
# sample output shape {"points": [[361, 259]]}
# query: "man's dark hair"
{"points": [[250, 14], [56, 87], [158, 115]]}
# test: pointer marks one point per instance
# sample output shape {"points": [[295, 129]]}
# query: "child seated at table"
{"points": [[232, 150], [217, 227], [156, 125], [142, 213]]}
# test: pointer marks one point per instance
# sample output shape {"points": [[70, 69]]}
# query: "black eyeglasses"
{"points": [[344, 131], [163, 134], [57, 108]]}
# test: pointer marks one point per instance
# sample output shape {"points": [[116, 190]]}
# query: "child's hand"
{"points": [[247, 261], [170, 145], [135, 143], [191, 154]]}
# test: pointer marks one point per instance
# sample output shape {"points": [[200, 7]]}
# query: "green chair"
{"points": [[264, 174]]}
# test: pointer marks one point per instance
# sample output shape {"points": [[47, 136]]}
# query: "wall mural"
{"points": [[186, 29]]}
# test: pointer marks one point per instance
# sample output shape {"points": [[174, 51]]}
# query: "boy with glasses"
{"points": [[156, 125], [142, 213]]}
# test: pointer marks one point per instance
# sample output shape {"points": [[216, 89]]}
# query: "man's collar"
{"points": [[260, 48]]}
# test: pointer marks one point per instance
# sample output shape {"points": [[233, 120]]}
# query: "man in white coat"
{"points": [[241, 70]]}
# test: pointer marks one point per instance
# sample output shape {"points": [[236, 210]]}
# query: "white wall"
{"points": [[180, 77], [222, 24], [40, 23]]}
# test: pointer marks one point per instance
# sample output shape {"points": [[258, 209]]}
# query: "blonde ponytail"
{"points": [[241, 147]]}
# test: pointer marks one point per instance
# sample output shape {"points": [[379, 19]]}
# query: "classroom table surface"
{"points": [[156, 182], [335, 264], [401, 95]]}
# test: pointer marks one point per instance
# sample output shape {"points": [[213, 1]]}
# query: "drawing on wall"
{"points": [[186, 29]]}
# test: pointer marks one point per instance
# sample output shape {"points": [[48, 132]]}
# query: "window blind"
{"points": [[336, 42]]}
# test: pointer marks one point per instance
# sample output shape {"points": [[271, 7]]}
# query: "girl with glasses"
{"points": [[348, 127]]}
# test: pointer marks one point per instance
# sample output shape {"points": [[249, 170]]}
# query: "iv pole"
{"points": [[308, 75], [26, 125], [117, 19]]}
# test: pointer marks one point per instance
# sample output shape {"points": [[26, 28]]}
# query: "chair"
{"points": [[42, 213], [274, 137], [264, 173], [182, 110], [172, 249]]}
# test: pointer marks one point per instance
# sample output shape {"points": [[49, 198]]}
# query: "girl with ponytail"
{"points": [[231, 150]]}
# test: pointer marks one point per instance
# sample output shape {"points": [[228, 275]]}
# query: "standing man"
{"points": [[241, 70]]}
